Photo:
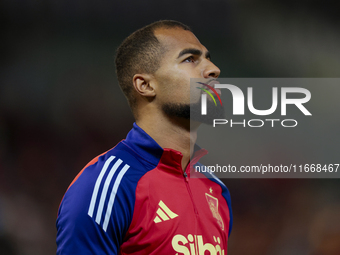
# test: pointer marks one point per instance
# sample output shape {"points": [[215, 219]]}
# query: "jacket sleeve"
{"points": [[97, 209]]}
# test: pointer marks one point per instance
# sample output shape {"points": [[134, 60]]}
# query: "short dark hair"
{"points": [[141, 53]]}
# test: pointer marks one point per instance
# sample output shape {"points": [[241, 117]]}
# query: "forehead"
{"points": [[177, 39]]}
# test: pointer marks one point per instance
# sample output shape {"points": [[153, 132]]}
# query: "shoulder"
{"points": [[118, 168], [112, 165], [99, 203]]}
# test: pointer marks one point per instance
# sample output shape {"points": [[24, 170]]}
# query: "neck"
{"points": [[173, 133]]}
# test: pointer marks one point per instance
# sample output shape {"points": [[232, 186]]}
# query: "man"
{"points": [[139, 197]]}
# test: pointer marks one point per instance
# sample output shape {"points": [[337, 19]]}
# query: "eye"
{"points": [[190, 59]]}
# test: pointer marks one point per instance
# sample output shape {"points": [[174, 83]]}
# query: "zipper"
{"points": [[186, 178]]}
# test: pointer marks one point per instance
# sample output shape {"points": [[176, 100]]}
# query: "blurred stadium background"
{"points": [[60, 106]]}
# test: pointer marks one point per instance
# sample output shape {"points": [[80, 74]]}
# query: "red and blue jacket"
{"points": [[136, 199]]}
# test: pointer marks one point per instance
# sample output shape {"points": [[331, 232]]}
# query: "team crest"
{"points": [[213, 205]]}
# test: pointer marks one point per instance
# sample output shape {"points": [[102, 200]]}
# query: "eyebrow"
{"points": [[194, 52]]}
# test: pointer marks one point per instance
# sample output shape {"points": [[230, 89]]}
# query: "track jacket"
{"points": [[136, 199]]}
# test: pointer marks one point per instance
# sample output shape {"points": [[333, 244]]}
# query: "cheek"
{"points": [[195, 95], [174, 86]]}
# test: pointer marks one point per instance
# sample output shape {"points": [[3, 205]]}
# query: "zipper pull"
{"points": [[186, 177]]}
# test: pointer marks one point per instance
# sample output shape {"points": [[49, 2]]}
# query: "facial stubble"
{"points": [[193, 111]]}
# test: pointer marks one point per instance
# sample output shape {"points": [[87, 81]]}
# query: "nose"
{"points": [[211, 70]]}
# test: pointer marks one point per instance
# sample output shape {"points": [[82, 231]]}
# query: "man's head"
{"points": [[141, 52], [155, 64]]}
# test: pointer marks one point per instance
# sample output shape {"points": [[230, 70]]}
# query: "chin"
{"points": [[192, 112]]}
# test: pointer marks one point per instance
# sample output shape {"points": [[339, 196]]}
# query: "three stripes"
{"points": [[105, 189]]}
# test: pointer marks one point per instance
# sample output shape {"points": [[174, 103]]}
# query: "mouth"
{"points": [[211, 87], [212, 84]]}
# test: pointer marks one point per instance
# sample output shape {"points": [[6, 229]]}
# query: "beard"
{"points": [[193, 111]]}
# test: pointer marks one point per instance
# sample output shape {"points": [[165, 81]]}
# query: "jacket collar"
{"points": [[148, 149], [143, 145]]}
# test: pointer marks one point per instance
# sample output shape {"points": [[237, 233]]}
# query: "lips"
{"points": [[211, 89], [212, 84]]}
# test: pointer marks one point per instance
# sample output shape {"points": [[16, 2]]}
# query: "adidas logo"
{"points": [[164, 213]]}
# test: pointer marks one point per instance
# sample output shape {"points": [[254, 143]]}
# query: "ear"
{"points": [[143, 86]]}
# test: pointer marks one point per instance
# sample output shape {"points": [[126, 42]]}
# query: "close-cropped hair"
{"points": [[141, 52]]}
